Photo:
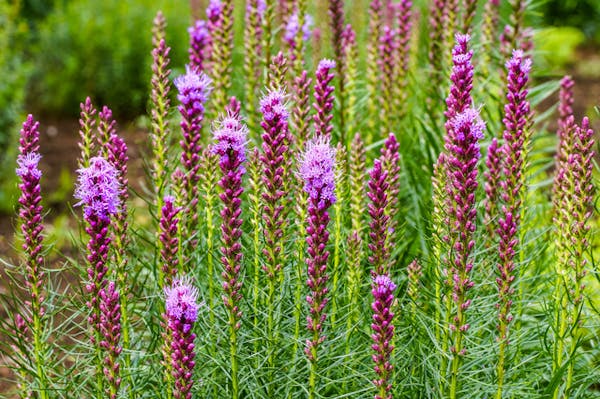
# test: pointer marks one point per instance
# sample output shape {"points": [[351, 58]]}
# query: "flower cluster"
{"points": [[383, 333]]}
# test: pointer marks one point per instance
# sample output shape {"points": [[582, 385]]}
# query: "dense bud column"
{"points": [[194, 88], [181, 306], [383, 334], [512, 184], [317, 168], [252, 54], [573, 199], [323, 104], [98, 191], [160, 86], [31, 225], [199, 45], [463, 155], [387, 64], [222, 51], [402, 56], [230, 145], [87, 120], [110, 333], [380, 220]]}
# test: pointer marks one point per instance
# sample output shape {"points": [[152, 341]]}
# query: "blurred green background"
{"points": [[55, 53]]}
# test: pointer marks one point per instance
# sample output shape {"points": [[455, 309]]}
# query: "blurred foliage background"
{"points": [[54, 53]]}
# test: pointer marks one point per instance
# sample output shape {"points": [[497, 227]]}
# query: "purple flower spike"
{"points": [[463, 154], [293, 27], [29, 141], [182, 307], [110, 330], [275, 146], [231, 137], [317, 168], [383, 334], [98, 189], [324, 99], [380, 219], [459, 98], [168, 226], [199, 45]]}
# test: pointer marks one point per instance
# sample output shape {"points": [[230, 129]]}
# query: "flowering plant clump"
{"points": [[410, 218]]}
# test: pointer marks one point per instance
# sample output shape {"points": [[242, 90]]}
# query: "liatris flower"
{"points": [[234, 107], [87, 121], [194, 89], [383, 334], [336, 13], [169, 242], [459, 97], [110, 330], [276, 142], [159, 108], [492, 185], [231, 138], [214, 16], [30, 220], [98, 191], [386, 65], [199, 45], [516, 122], [222, 50], [373, 76], [463, 154], [390, 158], [301, 109], [566, 121], [106, 129], [293, 30], [317, 168], [323, 104], [380, 219], [402, 58], [573, 198], [182, 312]]}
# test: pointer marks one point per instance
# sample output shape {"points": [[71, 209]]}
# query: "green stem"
{"points": [[336, 260], [233, 356], [500, 366]]}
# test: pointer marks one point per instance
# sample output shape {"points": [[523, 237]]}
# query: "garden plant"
{"points": [[339, 203]]}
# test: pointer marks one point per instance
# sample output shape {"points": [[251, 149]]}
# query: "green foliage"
{"points": [[556, 47], [102, 49], [13, 77], [582, 14]]}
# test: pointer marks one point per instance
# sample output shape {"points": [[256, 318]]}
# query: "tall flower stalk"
{"points": [[252, 53], [380, 220], [463, 155], [317, 169], [387, 65], [98, 191], [573, 196], [159, 108], [31, 225], [110, 334], [222, 51], [275, 145], [231, 136], [512, 184], [87, 121], [323, 104], [181, 306], [194, 88], [372, 78], [383, 334], [199, 45], [402, 56]]}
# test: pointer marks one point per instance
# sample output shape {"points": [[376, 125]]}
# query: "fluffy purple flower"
{"points": [[182, 312], [28, 165], [181, 302], [194, 88], [317, 168], [293, 26], [383, 333], [231, 137], [468, 128], [98, 188], [272, 106]]}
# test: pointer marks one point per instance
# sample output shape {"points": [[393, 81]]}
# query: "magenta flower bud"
{"points": [[110, 334], [323, 104], [168, 226], [380, 220], [199, 45], [459, 98], [181, 305], [383, 333], [29, 141]]}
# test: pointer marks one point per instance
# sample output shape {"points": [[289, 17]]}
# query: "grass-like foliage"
{"points": [[401, 220]]}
